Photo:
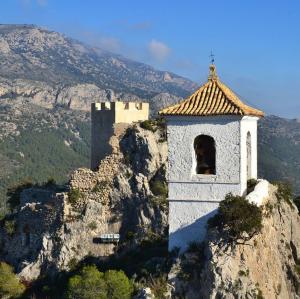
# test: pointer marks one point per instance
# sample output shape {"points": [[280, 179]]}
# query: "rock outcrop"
{"points": [[267, 266], [52, 231]]}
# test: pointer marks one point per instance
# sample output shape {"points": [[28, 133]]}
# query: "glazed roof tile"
{"points": [[212, 98]]}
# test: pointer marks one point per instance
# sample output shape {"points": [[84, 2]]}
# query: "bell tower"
{"points": [[212, 141]]}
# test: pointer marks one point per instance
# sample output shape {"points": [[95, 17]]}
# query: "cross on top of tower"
{"points": [[212, 57]]}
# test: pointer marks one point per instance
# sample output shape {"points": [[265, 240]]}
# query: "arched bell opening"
{"points": [[205, 153]]}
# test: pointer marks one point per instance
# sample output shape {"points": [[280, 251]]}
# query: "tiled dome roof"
{"points": [[212, 98]]}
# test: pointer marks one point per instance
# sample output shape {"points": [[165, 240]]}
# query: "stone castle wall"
{"points": [[107, 118]]}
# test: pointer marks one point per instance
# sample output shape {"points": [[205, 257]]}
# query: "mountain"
{"points": [[31, 53], [279, 150], [57, 231], [47, 82]]}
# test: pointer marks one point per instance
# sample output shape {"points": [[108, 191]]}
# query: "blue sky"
{"points": [[256, 43]]}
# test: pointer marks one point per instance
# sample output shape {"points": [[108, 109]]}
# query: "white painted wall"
{"points": [[248, 124], [187, 220], [194, 198], [182, 132]]}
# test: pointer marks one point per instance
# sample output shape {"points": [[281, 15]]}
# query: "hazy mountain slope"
{"points": [[38, 143], [279, 150], [31, 53]]}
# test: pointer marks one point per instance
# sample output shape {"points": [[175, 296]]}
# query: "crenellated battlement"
{"points": [[105, 116], [120, 106]]}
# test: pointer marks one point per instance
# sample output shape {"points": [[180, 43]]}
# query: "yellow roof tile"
{"points": [[212, 98]]}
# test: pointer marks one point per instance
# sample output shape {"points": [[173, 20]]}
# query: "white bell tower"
{"points": [[212, 141]]}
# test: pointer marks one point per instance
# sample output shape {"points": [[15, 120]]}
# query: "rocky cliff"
{"points": [[267, 266], [50, 231], [54, 229]]}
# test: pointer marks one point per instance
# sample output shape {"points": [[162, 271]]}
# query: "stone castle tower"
{"points": [[109, 118], [212, 141]]}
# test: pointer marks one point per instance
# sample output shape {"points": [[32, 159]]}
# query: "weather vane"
{"points": [[212, 57]]}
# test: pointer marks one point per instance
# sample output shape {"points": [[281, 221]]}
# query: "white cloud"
{"points": [[158, 50]]}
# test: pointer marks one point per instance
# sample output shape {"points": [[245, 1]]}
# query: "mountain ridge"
{"points": [[52, 57], [59, 112]]}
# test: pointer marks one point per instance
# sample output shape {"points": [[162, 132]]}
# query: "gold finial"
{"points": [[212, 73]]}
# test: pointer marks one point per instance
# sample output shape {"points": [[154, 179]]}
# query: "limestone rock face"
{"points": [[265, 265], [52, 230]]}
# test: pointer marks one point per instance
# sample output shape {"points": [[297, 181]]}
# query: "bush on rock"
{"points": [[237, 218]]}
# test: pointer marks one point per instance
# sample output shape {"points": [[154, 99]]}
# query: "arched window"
{"points": [[205, 153], [248, 143]]}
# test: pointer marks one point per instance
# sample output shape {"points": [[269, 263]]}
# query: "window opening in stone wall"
{"points": [[126, 106], [138, 106], [205, 153], [248, 144]]}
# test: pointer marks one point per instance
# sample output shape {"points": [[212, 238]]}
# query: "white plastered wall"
{"points": [[194, 198], [248, 124]]}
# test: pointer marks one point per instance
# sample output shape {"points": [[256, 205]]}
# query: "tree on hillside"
{"points": [[93, 284], [118, 285], [89, 283], [10, 286]]}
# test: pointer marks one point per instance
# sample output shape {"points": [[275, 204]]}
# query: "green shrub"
{"points": [[74, 195], [237, 218], [10, 286], [148, 125], [10, 227], [92, 225], [89, 283], [159, 188], [161, 123], [118, 285], [73, 263], [284, 192]]}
